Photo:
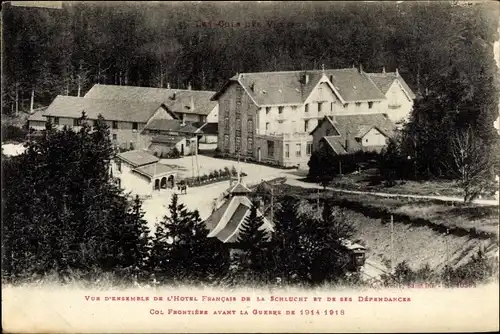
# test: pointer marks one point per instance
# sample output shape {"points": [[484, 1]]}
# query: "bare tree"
{"points": [[471, 163]]}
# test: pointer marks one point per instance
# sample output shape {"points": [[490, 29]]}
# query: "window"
{"points": [[345, 105], [309, 148], [238, 123], [77, 122], [134, 126], [226, 123], [238, 144], [95, 122], [320, 106], [119, 165], [250, 125], [56, 120], [131, 145], [115, 136], [370, 105], [226, 142], [280, 110], [328, 132], [294, 108], [201, 118], [287, 150], [270, 149], [115, 125], [268, 109], [298, 150], [306, 125], [267, 126], [306, 107], [250, 144], [358, 104]]}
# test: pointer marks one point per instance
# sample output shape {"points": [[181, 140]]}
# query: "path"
{"points": [[298, 183]]}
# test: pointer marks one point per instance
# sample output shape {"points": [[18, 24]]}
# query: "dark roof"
{"points": [[385, 80], [174, 125], [351, 127], [115, 110], [212, 221], [234, 222], [335, 145], [210, 128], [138, 157], [167, 139], [281, 88], [234, 211], [181, 104], [154, 169]]}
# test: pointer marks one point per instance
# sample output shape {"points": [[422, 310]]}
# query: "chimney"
{"points": [[334, 120], [189, 86], [305, 79], [191, 104], [383, 69], [360, 68], [168, 85], [252, 86], [174, 95], [331, 79], [397, 71]]}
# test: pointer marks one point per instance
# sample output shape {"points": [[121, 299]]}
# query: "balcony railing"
{"points": [[276, 134]]}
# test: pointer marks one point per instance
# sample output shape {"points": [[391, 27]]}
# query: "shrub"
{"points": [[234, 172], [216, 174], [14, 133]]}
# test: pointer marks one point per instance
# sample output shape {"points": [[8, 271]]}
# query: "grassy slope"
{"points": [[419, 227]]}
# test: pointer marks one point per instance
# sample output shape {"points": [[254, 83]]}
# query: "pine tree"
{"points": [[181, 248], [252, 242]]}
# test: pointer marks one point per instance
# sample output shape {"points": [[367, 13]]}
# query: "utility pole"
{"points": [[272, 205], [392, 243], [197, 165]]}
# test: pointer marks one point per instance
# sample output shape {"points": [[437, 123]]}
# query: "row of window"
{"points": [[298, 150], [306, 125], [238, 143], [320, 107], [78, 122], [238, 124]]}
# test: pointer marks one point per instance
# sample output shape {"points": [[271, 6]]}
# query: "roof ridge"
{"points": [[159, 88], [299, 71]]}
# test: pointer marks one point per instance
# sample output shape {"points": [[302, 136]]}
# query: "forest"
{"points": [[441, 48]]}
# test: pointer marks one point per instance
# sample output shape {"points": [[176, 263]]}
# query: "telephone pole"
{"points": [[392, 243]]}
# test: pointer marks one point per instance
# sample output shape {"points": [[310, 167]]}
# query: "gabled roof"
{"points": [[352, 127], [112, 110], [289, 88], [334, 144], [329, 120], [174, 125], [225, 222], [167, 139], [138, 158], [38, 115], [181, 104], [238, 188], [385, 80], [211, 128], [154, 170]]}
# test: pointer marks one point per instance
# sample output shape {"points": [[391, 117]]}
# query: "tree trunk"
{"points": [[17, 98], [32, 100]]}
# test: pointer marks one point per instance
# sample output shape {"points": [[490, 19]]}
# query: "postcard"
{"points": [[257, 166]]}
